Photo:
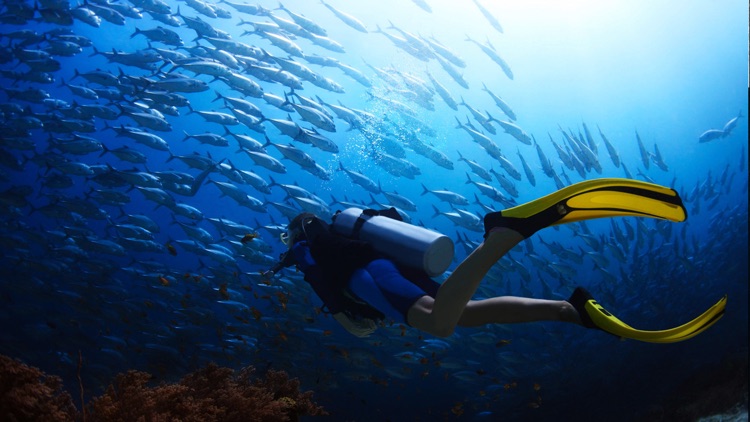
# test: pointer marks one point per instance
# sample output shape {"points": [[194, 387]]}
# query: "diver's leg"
{"points": [[383, 287], [441, 315], [512, 309]]}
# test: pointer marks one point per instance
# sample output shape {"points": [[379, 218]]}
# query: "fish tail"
{"points": [[459, 124], [437, 211]]}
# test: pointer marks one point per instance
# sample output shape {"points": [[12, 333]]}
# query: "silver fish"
{"points": [[346, 18], [710, 135], [645, 156], [446, 196]]}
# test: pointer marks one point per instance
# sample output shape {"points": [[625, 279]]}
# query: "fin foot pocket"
{"points": [[578, 299], [494, 220]]}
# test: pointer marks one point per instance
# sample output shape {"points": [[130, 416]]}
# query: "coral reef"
{"points": [[212, 393], [28, 394], [209, 394]]}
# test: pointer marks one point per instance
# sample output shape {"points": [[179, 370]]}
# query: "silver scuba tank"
{"points": [[405, 243]]}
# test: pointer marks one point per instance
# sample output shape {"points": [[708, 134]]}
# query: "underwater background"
{"points": [[130, 217]]}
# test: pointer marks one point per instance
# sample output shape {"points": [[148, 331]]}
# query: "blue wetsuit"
{"points": [[335, 265]]}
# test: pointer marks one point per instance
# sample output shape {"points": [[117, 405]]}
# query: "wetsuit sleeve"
{"points": [[314, 276]]}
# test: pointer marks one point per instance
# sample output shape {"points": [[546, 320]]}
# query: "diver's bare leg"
{"points": [[511, 309], [441, 315]]}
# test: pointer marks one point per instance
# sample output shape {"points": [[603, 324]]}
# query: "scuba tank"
{"points": [[407, 244]]}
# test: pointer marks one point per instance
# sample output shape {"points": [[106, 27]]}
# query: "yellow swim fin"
{"points": [[589, 199], [593, 315]]}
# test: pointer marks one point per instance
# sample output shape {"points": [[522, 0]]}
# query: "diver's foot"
{"points": [[578, 299]]}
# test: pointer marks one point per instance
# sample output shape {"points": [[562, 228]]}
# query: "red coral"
{"points": [[28, 394], [209, 394]]}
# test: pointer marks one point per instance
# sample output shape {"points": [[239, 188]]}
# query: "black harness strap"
{"points": [[390, 213], [358, 226]]}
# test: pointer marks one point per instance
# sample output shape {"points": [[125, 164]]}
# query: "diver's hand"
{"points": [[362, 327]]}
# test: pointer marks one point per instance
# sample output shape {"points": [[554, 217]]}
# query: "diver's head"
{"points": [[295, 230]]}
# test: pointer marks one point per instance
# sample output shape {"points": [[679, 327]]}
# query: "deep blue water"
{"points": [[664, 72]]}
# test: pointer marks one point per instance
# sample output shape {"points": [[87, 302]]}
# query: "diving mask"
{"points": [[284, 237], [299, 231]]}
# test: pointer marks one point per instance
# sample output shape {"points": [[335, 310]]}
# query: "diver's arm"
{"points": [[285, 260], [359, 327]]}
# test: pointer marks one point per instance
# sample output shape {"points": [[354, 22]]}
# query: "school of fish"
{"points": [[144, 188]]}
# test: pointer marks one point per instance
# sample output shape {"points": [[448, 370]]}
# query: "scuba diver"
{"points": [[368, 264]]}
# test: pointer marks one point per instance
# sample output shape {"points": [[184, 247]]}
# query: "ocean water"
{"points": [[82, 273]]}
